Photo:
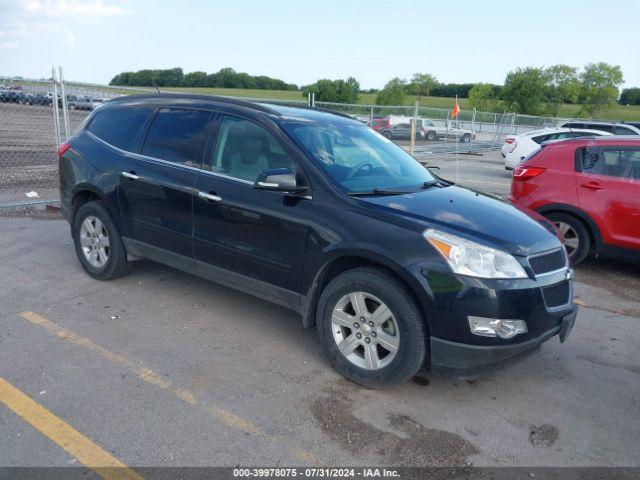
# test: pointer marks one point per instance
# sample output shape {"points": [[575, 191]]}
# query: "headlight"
{"points": [[474, 259]]}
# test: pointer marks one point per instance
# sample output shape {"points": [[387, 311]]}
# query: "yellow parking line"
{"points": [[144, 374], [225, 416], [63, 434]]}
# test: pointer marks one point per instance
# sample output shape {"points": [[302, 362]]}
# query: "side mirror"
{"points": [[278, 179]]}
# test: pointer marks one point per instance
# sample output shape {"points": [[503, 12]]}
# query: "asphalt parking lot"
{"points": [[161, 368]]}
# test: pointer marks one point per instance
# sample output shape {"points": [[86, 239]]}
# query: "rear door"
{"points": [[251, 238], [157, 190], [609, 190]]}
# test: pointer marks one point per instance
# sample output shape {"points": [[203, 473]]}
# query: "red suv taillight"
{"points": [[523, 173], [510, 140], [62, 149]]}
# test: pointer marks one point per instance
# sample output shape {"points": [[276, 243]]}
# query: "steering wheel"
{"points": [[358, 167]]}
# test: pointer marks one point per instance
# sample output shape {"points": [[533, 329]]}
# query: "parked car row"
{"points": [[517, 148], [21, 97], [74, 102]]}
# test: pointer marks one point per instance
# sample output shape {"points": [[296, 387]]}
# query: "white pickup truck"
{"points": [[450, 130]]}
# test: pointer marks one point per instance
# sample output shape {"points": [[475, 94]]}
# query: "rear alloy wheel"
{"points": [[432, 136], [387, 135], [466, 138], [94, 240], [371, 327], [577, 240], [98, 244]]}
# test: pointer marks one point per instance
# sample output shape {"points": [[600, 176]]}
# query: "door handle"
{"points": [[209, 196], [130, 175], [592, 185]]}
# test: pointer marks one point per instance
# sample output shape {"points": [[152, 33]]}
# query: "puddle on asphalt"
{"points": [[418, 446], [543, 435]]}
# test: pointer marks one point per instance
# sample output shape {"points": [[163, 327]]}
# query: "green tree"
{"points": [[421, 85], [482, 97], [338, 91], [525, 90], [195, 79], [563, 86], [393, 92], [630, 96], [599, 87]]}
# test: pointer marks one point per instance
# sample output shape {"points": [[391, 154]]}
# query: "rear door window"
{"points": [[621, 162], [540, 138], [176, 135], [618, 130], [121, 127]]}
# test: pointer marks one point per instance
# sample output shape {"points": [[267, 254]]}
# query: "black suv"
{"points": [[395, 267]]}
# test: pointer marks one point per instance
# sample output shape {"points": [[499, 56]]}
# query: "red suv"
{"points": [[590, 189]]}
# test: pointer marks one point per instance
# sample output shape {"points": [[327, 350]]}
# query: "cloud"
{"points": [[67, 8], [32, 17]]}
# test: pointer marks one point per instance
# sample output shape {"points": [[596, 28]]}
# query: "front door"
{"points": [[253, 239]]}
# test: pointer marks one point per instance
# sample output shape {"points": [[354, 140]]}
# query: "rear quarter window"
{"points": [[120, 127]]}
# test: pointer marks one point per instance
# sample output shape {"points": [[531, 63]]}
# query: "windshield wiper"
{"points": [[378, 192], [436, 183]]}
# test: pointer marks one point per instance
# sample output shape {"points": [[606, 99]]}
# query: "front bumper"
{"points": [[463, 361]]}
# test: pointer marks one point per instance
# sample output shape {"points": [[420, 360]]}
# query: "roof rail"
{"points": [[195, 96]]}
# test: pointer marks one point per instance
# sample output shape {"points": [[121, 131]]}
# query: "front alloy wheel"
{"points": [[365, 330], [371, 327]]}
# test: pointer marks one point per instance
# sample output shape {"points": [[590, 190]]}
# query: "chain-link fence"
{"points": [[436, 132], [28, 164], [37, 115]]}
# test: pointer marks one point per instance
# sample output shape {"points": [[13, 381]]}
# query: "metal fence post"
{"points": [[414, 120], [65, 112], [56, 115]]}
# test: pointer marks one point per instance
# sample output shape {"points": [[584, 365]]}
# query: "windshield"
{"points": [[359, 159]]}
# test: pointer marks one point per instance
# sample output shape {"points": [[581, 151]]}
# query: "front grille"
{"points": [[548, 262], [556, 295]]}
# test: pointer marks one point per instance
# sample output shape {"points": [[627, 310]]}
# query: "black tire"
{"points": [[432, 136], [466, 138], [387, 135], [412, 350], [116, 264], [582, 233]]}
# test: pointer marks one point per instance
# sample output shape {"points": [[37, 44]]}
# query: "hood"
{"points": [[475, 215]]}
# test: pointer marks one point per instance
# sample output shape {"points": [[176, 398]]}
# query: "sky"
{"points": [[299, 42]]}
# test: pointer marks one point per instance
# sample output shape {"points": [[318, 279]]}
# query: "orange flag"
{"points": [[456, 109]]}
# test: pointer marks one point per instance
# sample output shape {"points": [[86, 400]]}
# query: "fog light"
{"points": [[493, 327]]}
